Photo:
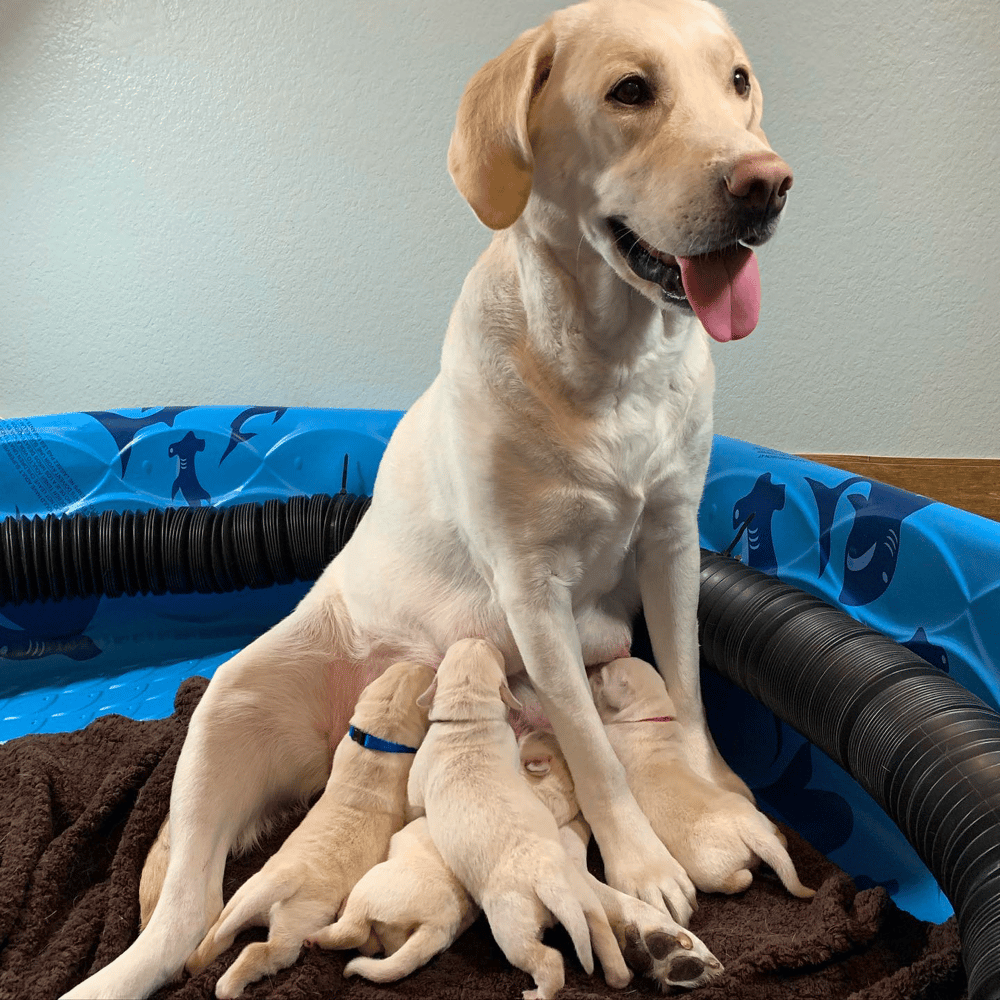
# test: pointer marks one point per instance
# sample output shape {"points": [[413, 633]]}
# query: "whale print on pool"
{"points": [[187, 478], [872, 549], [38, 634], [236, 433], [760, 503], [936, 656], [124, 429]]}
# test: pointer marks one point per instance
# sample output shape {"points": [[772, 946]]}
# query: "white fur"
{"points": [[494, 834], [547, 480], [717, 835]]}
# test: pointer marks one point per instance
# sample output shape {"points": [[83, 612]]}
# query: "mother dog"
{"points": [[549, 478]]}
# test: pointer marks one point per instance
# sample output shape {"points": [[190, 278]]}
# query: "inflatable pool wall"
{"points": [[922, 573]]}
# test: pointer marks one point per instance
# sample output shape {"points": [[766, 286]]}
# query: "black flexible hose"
{"points": [[179, 550], [922, 746]]}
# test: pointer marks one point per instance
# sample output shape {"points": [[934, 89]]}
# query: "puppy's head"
{"points": [[545, 769], [629, 689], [471, 683], [631, 127], [388, 706]]}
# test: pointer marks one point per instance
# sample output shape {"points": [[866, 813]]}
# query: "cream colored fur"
{"points": [[716, 834], [493, 833], [546, 482], [411, 907], [651, 942], [304, 885]]}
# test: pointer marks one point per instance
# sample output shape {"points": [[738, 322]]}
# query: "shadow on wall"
{"points": [[16, 16]]}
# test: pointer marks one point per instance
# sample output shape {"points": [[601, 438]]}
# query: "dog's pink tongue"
{"points": [[724, 291]]}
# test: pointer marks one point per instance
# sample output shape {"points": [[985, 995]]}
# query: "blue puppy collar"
{"points": [[370, 742]]}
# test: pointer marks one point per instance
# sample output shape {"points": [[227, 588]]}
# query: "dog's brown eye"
{"points": [[631, 91], [741, 81]]}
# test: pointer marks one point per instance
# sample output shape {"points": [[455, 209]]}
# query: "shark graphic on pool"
{"points": [[872, 550]]}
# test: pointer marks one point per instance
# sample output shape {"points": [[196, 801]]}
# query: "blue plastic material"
{"points": [[923, 573]]}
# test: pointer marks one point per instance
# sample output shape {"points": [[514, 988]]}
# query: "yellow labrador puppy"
{"points": [[303, 886], [410, 907], [549, 479], [652, 943], [717, 835], [499, 840]]}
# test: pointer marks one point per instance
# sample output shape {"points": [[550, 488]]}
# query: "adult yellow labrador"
{"points": [[550, 476]]}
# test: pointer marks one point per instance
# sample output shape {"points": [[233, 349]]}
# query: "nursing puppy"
{"points": [[410, 907], [652, 943], [718, 836], [498, 838], [302, 887], [548, 480]]}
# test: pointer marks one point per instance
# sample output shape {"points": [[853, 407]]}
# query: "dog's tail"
{"points": [[416, 951], [770, 850], [557, 893]]}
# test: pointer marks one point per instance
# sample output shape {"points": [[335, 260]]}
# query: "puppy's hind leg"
{"points": [[290, 924], [418, 949], [517, 923], [259, 736], [248, 908], [352, 930]]}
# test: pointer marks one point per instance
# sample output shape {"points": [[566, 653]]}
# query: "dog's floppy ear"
{"points": [[508, 698], [427, 698], [490, 158]]}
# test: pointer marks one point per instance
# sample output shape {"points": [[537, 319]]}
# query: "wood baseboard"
{"points": [[972, 484]]}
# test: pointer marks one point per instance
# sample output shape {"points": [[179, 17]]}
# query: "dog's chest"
{"points": [[630, 456]]}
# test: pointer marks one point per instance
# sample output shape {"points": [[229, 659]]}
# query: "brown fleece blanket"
{"points": [[78, 812]]}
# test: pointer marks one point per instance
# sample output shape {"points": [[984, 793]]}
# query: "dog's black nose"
{"points": [[760, 181]]}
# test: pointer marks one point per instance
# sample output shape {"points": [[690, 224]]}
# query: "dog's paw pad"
{"points": [[685, 969], [661, 944]]}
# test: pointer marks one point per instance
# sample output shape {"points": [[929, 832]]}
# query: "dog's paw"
{"points": [[668, 958], [649, 872]]}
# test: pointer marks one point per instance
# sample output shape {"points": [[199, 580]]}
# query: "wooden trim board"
{"points": [[972, 484]]}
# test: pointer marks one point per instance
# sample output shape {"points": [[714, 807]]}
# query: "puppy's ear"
{"points": [[427, 698], [490, 157], [508, 698], [612, 689]]}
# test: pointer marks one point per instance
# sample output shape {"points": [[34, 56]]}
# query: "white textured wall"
{"points": [[247, 201]]}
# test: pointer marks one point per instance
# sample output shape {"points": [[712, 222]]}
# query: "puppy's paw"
{"points": [[668, 958]]}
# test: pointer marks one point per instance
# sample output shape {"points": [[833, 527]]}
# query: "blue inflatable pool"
{"points": [[926, 575]]}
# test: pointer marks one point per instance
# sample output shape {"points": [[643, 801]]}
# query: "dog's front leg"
{"points": [[540, 616], [669, 568]]}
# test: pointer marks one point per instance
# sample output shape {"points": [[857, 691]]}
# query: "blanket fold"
{"points": [[79, 811]]}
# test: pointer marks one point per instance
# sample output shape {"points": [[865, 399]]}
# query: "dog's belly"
{"points": [[403, 608]]}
